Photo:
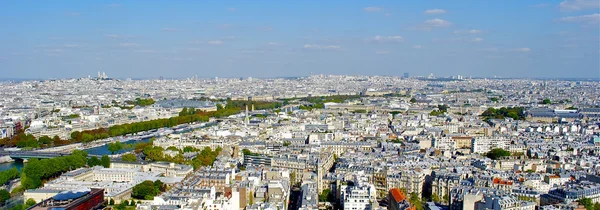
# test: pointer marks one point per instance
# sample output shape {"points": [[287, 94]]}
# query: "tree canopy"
{"points": [[497, 153], [148, 189], [516, 113], [129, 158], [36, 170]]}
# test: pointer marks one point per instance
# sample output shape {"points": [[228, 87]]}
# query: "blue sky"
{"points": [[148, 39]]}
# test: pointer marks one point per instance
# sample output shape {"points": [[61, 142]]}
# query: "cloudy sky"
{"points": [[148, 39]]}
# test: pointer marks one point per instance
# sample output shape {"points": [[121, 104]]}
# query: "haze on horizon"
{"points": [[146, 39]]}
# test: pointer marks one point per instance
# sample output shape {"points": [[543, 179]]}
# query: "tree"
{"points": [[587, 202], [497, 153], [8, 175], [129, 158], [148, 189], [415, 200], [105, 161], [446, 198], [30, 202], [435, 198], [94, 161], [183, 112], [413, 100], [111, 202], [125, 202], [4, 196], [115, 147], [323, 195], [546, 101]]}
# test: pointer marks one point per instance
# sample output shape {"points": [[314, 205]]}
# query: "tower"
{"points": [[247, 120]]}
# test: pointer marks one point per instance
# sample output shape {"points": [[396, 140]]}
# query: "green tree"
{"points": [[587, 202], [415, 200], [8, 175], [497, 153], [94, 161], [435, 198], [105, 160], [111, 202], [4, 196], [183, 112], [546, 101], [30, 202], [596, 206], [129, 158], [115, 147], [413, 100], [147, 190]]}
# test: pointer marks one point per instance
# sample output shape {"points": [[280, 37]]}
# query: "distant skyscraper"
{"points": [[406, 75]]}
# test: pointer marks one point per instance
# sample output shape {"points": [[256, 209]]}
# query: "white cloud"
{"points": [[591, 19], [112, 36], [215, 42], [576, 5], [417, 47], [231, 9], [435, 11], [373, 9], [386, 39], [524, 49], [477, 39], [129, 44], [437, 23], [382, 52], [388, 14], [471, 31], [274, 44], [322, 47]]}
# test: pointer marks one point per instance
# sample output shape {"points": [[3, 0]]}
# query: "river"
{"points": [[5, 166], [103, 150]]}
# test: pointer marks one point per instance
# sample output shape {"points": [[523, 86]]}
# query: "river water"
{"points": [[6, 166], [103, 150]]}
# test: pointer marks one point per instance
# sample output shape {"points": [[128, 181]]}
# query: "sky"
{"points": [[182, 39]]}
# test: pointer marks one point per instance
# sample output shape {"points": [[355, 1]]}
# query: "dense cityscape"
{"points": [[316, 142], [300, 105]]}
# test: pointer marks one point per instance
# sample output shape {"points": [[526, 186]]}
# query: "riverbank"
{"points": [[6, 159]]}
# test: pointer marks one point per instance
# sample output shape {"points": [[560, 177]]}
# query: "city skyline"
{"points": [[514, 39]]}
